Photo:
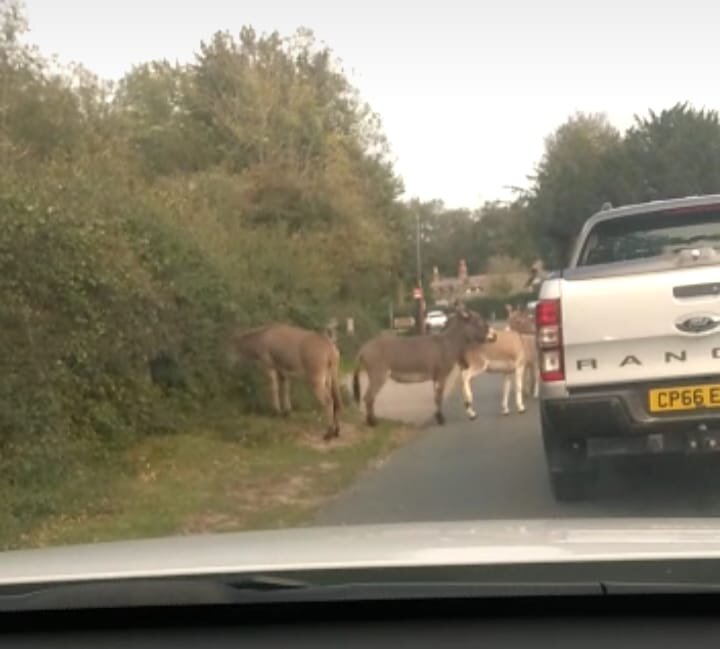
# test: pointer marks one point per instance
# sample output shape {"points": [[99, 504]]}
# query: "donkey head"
{"points": [[473, 327], [520, 320]]}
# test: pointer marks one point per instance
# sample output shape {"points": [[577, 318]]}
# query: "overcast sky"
{"points": [[467, 91]]}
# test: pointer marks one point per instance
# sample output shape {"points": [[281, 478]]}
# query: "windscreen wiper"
{"points": [[133, 592], [266, 583]]}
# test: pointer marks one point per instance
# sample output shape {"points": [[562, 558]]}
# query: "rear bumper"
{"points": [[616, 422]]}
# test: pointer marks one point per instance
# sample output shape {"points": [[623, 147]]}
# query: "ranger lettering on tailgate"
{"points": [[670, 356]]}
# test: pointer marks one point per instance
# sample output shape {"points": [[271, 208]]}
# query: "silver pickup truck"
{"points": [[629, 340]]}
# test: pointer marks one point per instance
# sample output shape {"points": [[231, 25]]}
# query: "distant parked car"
{"points": [[435, 319]]}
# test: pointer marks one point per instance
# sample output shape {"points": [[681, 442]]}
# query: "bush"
{"points": [[113, 324]]}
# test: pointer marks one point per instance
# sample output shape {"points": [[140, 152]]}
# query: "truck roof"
{"points": [[652, 206]]}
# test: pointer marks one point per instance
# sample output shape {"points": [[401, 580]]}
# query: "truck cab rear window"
{"points": [[644, 236]]}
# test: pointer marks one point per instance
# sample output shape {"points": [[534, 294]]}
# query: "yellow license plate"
{"points": [[686, 397]]}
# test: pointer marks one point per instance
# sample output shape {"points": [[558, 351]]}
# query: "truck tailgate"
{"points": [[623, 329]]}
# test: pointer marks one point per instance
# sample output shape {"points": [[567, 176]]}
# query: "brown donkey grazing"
{"points": [[416, 359], [284, 351]]}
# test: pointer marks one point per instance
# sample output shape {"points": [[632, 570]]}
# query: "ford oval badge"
{"points": [[697, 323]]}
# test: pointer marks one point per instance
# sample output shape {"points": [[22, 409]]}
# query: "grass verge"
{"points": [[227, 473]]}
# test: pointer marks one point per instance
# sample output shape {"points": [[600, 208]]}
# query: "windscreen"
{"points": [[271, 264]]}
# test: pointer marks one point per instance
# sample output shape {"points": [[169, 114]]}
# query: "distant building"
{"points": [[445, 290]]}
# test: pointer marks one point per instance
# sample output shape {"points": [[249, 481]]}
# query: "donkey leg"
{"points": [[285, 391], [322, 394], [466, 375], [507, 381], [439, 394], [536, 381], [334, 390], [274, 396], [375, 382], [519, 376]]}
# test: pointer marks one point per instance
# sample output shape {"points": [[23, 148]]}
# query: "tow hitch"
{"points": [[703, 440]]}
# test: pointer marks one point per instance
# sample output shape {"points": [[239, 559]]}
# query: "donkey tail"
{"points": [[334, 378]]}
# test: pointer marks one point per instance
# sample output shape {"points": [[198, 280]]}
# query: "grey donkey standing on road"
{"points": [[284, 351], [416, 359]]}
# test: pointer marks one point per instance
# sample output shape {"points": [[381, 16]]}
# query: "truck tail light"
{"points": [[548, 323]]}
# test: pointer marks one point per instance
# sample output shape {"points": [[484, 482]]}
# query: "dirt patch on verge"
{"points": [[350, 434]]}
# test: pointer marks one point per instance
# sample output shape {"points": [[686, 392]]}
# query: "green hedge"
{"points": [[114, 324]]}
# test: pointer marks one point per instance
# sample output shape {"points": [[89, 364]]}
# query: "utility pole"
{"points": [[420, 297], [418, 261]]}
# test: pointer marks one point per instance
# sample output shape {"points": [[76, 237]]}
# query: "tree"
{"points": [[12, 25], [266, 138], [46, 111], [581, 169], [674, 153], [151, 103], [504, 229], [446, 236]]}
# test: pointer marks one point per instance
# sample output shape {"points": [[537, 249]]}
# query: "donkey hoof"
{"points": [[521, 411], [331, 433], [371, 421], [505, 413], [439, 418], [472, 416]]}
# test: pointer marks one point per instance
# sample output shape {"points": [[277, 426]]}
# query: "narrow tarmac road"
{"points": [[494, 468]]}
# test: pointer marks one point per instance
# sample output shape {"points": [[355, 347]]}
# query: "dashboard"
{"points": [[597, 621]]}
